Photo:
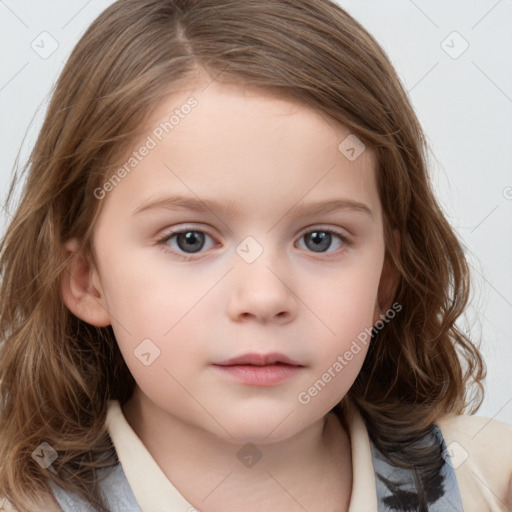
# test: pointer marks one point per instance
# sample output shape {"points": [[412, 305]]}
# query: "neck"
{"points": [[311, 470]]}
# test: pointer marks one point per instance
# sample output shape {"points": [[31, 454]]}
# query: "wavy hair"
{"points": [[57, 373]]}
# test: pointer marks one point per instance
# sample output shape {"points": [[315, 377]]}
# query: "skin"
{"points": [[262, 155]]}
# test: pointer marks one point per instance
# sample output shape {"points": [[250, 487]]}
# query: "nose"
{"points": [[261, 291]]}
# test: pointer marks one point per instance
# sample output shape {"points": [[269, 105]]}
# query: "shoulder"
{"points": [[482, 437], [480, 451]]}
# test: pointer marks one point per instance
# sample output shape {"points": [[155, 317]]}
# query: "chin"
{"points": [[260, 428], [259, 438]]}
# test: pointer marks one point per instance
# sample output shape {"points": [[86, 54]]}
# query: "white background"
{"points": [[464, 105]]}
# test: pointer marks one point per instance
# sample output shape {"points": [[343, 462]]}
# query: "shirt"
{"points": [[475, 475]]}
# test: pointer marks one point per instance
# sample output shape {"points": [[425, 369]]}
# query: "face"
{"points": [[253, 259]]}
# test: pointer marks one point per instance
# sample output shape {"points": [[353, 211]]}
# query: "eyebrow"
{"points": [[229, 207]]}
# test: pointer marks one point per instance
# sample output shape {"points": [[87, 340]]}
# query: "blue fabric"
{"points": [[116, 490], [409, 490], [398, 489]]}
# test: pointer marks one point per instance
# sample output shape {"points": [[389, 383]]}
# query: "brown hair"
{"points": [[58, 373]]}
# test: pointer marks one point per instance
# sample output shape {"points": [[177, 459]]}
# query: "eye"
{"points": [[318, 240], [190, 241]]}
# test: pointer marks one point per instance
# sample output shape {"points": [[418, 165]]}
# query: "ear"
{"points": [[81, 287], [388, 284]]}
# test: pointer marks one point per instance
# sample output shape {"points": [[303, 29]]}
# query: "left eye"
{"points": [[321, 239]]}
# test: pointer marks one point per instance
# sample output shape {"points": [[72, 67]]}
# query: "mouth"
{"points": [[259, 369], [254, 359]]}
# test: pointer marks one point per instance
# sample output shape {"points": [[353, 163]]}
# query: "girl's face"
{"points": [[265, 263]]}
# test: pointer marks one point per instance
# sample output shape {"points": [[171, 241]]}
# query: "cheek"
{"points": [[346, 307], [346, 302], [342, 347], [149, 298], [158, 310]]}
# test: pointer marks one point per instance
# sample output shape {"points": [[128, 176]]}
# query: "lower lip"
{"points": [[260, 375]]}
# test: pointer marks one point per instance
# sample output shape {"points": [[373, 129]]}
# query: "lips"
{"points": [[259, 369], [259, 360]]}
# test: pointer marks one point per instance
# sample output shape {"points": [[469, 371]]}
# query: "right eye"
{"points": [[188, 240]]}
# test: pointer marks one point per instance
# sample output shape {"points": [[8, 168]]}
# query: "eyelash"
{"points": [[167, 236]]}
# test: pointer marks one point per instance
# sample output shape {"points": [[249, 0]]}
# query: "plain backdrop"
{"points": [[455, 60]]}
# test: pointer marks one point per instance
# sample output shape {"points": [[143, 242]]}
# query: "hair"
{"points": [[57, 373]]}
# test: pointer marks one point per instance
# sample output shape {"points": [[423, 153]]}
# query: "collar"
{"points": [[155, 493]]}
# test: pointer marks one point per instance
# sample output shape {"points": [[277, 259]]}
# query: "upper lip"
{"points": [[259, 360]]}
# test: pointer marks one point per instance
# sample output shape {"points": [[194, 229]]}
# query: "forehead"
{"points": [[236, 142]]}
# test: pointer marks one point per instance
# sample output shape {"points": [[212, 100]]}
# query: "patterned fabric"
{"points": [[398, 489], [406, 490]]}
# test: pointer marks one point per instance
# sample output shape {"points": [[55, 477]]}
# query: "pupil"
{"points": [[321, 239], [190, 240]]}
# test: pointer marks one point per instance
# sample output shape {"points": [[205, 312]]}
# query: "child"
{"points": [[305, 355]]}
